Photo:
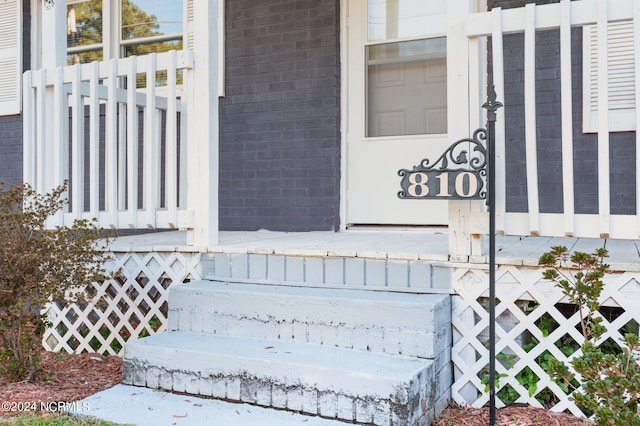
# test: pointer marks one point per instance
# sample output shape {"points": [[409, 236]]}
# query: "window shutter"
{"points": [[10, 57], [189, 35], [188, 26], [621, 78]]}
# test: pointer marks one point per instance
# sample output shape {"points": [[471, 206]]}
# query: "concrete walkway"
{"points": [[133, 405]]}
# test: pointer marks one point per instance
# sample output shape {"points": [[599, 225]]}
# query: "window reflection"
{"points": [[389, 19], [146, 18], [407, 88], [151, 26], [84, 31]]}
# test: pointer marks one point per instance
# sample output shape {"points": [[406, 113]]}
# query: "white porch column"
{"points": [[53, 36], [202, 142], [53, 47], [461, 91]]}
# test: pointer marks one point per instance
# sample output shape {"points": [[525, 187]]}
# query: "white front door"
{"points": [[396, 111]]}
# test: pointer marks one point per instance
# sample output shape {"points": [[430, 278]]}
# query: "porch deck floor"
{"points": [[424, 244]]}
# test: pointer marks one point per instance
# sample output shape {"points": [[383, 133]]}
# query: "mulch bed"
{"points": [[69, 378], [514, 415], [66, 378]]}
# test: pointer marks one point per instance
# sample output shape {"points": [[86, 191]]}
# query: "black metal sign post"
{"points": [[459, 174], [492, 106]]}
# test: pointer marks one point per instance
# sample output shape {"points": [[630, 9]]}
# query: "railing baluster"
{"points": [[112, 138], [77, 144], [531, 145], [171, 146], [122, 161], [132, 143], [151, 148], [604, 199], [94, 141], [498, 81], [566, 106], [60, 142], [41, 134], [182, 150]]}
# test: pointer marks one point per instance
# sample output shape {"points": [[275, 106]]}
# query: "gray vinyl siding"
{"points": [[280, 118]]}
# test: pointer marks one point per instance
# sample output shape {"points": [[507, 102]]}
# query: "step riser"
{"points": [[411, 406], [328, 270], [375, 339], [418, 326]]}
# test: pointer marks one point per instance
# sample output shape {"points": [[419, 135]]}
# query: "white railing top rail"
{"points": [[549, 16], [163, 62]]}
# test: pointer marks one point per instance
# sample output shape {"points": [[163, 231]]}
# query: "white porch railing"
{"points": [[117, 131], [561, 16], [534, 323]]}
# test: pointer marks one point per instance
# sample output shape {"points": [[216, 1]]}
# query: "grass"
{"points": [[53, 420]]}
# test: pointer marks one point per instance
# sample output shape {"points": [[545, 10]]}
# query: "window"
{"points": [[406, 69], [144, 26], [104, 29], [621, 77]]}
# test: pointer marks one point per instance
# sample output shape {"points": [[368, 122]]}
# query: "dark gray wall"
{"points": [[11, 126], [548, 133], [279, 120]]}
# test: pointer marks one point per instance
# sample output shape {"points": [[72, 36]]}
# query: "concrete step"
{"points": [[356, 355], [394, 323], [351, 385]]}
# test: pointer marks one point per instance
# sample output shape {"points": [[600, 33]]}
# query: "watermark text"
{"points": [[49, 406]]}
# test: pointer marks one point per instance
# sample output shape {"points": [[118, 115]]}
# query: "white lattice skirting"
{"points": [[132, 306], [534, 324]]}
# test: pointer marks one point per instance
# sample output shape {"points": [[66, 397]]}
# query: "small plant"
{"points": [[39, 266], [610, 384]]}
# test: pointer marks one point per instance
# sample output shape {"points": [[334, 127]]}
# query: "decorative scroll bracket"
{"points": [[459, 173]]}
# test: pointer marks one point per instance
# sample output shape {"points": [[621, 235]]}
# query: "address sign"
{"points": [[459, 174]]}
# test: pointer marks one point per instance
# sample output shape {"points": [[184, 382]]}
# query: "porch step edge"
{"points": [[350, 385], [333, 286]]}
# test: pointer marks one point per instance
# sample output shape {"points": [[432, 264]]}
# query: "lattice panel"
{"points": [[131, 306], [534, 323]]}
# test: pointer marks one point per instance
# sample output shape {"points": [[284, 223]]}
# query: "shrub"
{"points": [[38, 266], [610, 380]]}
